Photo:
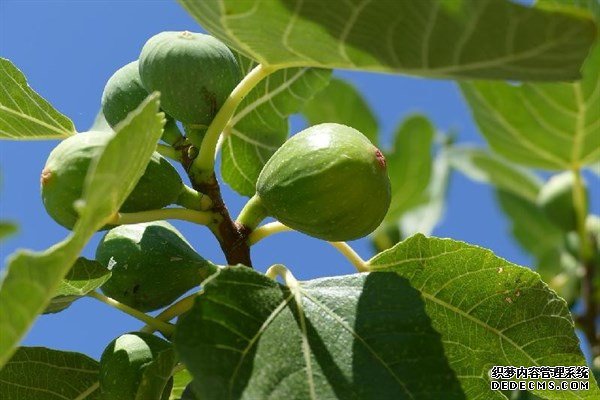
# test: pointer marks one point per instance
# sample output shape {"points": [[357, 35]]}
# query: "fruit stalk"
{"points": [[204, 164], [164, 327], [184, 214], [190, 198], [174, 310], [267, 230], [351, 255], [252, 214]]}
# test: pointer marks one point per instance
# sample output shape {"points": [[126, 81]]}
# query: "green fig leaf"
{"points": [[181, 380], [424, 217], [341, 102], [83, 277], [45, 374], [7, 229], [574, 6], [451, 39], [356, 336], [485, 167], [24, 114], [260, 124], [553, 126], [537, 235], [32, 278], [466, 288], [409, 165]]}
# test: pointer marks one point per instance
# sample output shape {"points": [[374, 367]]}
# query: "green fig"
{"points": [[151, 263], [63, 178], [195, 73], [130, 368], [327, 181], [123, 93], [556, 200]]}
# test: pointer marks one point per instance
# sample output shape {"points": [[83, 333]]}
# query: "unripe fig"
{"points": [[327, 181], [123, 93], [63, 179], [124, 361], [195, 73], [151, 263], [556, 200]]}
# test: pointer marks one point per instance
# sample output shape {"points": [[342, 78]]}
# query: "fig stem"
{"points": [[252, 214], [267, 230], [184, 214], [352, 256], [343, 247], [164, 327], [173, 311], [169, 152], [171, 133], [280, 270], [194, 200], [204, 164]]}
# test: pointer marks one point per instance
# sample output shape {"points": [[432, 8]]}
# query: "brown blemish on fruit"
{"points": [[380, 158], [45, 176], [211, 99]]}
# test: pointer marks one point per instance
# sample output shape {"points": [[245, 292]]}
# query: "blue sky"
{"points": [[68, 50]]}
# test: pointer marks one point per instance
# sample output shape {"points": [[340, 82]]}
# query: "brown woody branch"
{"points": [[232, 237]]}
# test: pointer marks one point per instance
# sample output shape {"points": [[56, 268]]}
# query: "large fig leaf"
{"points": [[428, 323], [363, 336], [83, 277], [44, 374], [488, 312], [342, 103], [260, 124], [32, 278], [491, 39], [24, 114], [554, 126]]}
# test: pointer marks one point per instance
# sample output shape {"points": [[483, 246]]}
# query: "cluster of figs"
{"points": [[327, 181]]}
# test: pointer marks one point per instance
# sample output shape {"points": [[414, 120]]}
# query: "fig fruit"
{"points": [[195, 73], [123, 93], [63, 179], [556, 201], [125, 361], [151, 263], [327, 181]]}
